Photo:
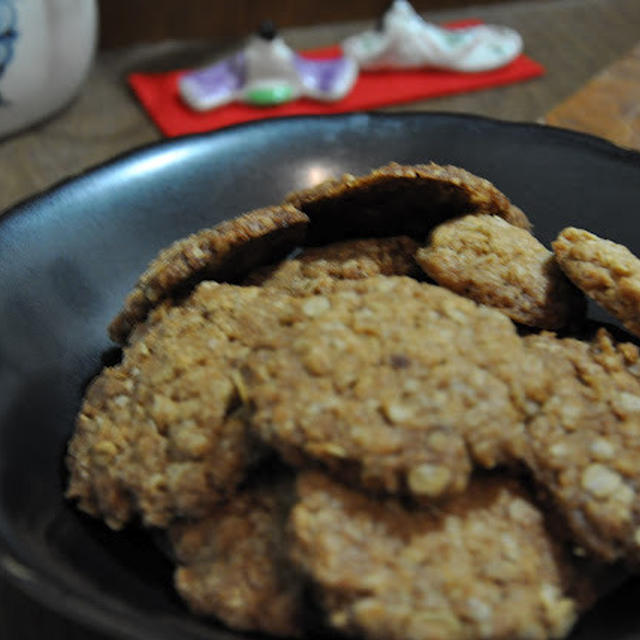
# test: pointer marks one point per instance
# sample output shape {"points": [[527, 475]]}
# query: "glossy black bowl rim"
{"points": [[595, 142], [98, 614]]}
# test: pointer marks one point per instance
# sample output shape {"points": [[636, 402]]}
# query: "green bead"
{"points": [[268, 96]]}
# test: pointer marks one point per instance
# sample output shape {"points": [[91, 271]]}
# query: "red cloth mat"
{"points": [[158, 93]]}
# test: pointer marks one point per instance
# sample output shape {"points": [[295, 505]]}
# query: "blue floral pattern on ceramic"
{"points": [[8, 35]]}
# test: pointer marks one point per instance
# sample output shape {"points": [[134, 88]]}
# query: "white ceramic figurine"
{"points": [[405, 40], [265, 73]]}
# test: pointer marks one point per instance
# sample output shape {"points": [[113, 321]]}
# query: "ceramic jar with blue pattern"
{"points": [[7, 34], [46, 50]]}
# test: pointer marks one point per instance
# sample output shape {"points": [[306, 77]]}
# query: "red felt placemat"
{"points": [[158, 93]]}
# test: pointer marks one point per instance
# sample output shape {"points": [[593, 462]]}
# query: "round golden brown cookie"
{"points": [[585, 441], [315, 269], [607, 272], [394, 384], [495, 263], [226, 252], [399, 200], [163, 433], [234, 563], [481, 565]]}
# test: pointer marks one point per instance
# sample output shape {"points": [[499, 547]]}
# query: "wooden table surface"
{"points": [[592, 83], [608, 105]]}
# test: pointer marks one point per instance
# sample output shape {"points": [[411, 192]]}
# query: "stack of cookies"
{"points": [[377, 409]]}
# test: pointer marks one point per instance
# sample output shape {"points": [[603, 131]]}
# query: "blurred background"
{"points": [[125, 22], [575, 40]]}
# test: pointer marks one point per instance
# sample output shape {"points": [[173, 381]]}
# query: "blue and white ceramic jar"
{"points": [[46, 49]]}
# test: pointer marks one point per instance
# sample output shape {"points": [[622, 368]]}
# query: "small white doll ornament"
{"points": [[405, 40], [267, 73]]}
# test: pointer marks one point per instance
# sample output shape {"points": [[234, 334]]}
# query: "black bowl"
{"points": [[68, 257]]}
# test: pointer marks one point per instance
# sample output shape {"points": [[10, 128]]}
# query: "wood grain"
{"points": [[125, 22], [608, 105]]}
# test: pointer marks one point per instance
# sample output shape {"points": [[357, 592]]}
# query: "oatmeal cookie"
{"points": [[585, 441], [315, 269], [399, 200], [607, 272], [226, 252], [495, 263], [395, 385], [234, 563], [481, 565], [163, 433]]}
